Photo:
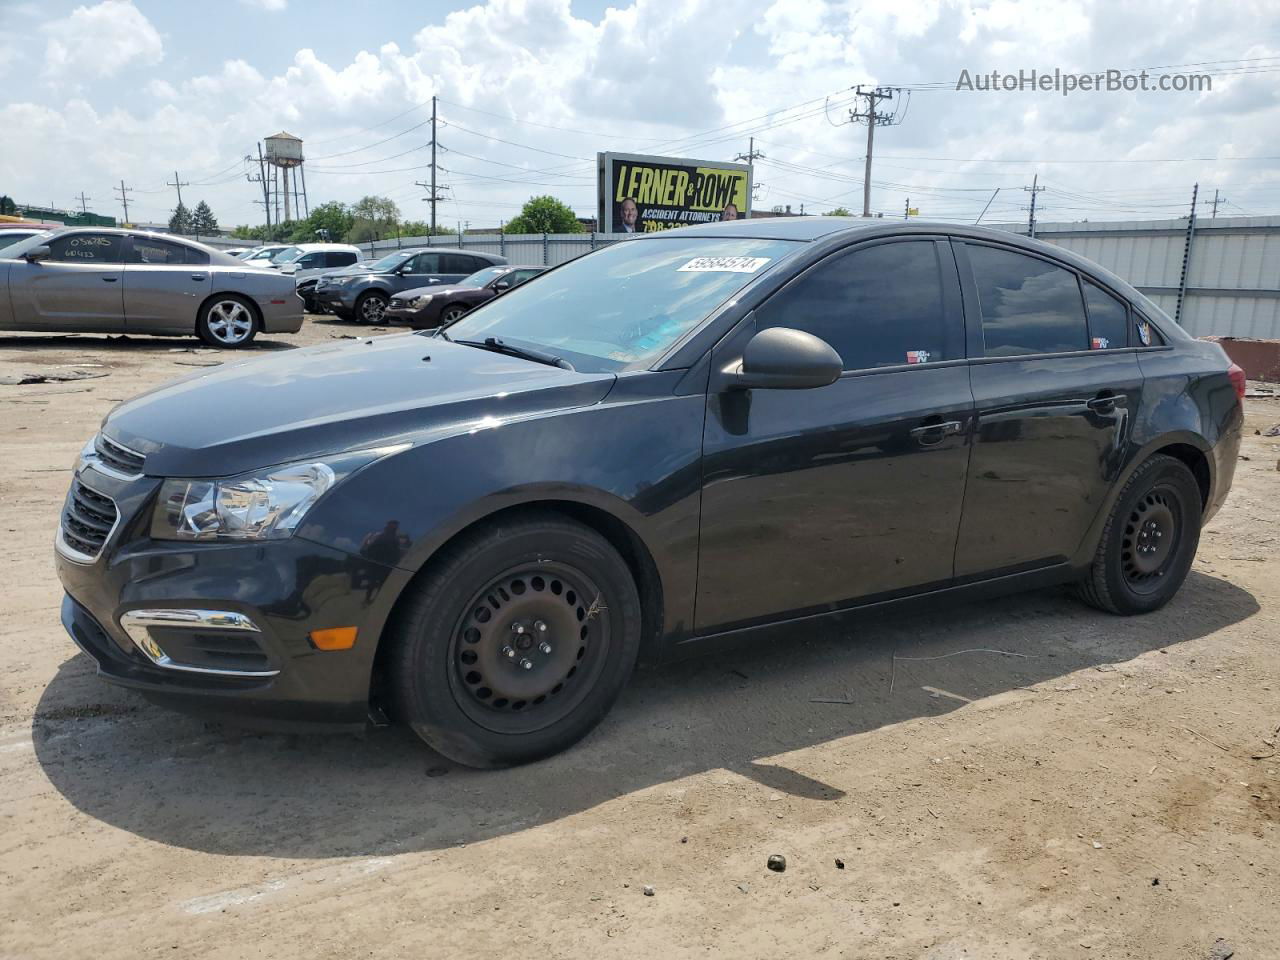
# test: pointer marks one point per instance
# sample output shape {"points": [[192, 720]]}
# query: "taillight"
{"points": [[1236, 373]]}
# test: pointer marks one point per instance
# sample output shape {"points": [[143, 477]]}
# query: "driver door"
{"points": [[77, 288], [815, 499]]}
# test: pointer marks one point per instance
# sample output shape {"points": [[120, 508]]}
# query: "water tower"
{"points": [[284, 154]]}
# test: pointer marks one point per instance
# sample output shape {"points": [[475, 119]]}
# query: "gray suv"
{"points": [[364, 296]]}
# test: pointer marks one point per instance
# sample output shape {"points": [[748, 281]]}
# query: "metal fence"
{"points": [[533, 249], [1220, 276]]}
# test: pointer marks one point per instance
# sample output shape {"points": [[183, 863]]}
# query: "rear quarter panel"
{"points": [[273, 292]]}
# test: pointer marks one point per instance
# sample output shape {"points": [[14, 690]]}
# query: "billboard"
{"points": [[643, 194]]}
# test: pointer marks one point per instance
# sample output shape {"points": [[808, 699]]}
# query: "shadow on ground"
{"points": [[83, 342], [178, 781]]}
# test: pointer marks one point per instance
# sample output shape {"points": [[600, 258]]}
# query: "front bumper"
{"points": [[398, 311], [334, 298], [269, 674]]}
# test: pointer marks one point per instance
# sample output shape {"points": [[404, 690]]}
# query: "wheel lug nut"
{"points": [[544, 647], [526, 663], [540, 626], [517, 628], [509, 652]]}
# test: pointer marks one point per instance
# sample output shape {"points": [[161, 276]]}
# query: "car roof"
{"points": [[326, 246]]}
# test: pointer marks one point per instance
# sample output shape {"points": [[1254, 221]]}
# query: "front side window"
{"points": [[311, 260], [879, 306], [425, 263], [624, 306], [1108, 318], [1029, 306], [86, 248]]}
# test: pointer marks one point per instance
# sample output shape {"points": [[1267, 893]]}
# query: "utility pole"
{"points": [[124, 199], [1033, 190], [874, 118], [906, 210], [1216, 201], [82, 198], [179, 184], [434, 196], [1186, 256], [266, 187], [751, 156]]}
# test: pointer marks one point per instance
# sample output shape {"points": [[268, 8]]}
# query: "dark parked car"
{"points": [[662, 445], [306, 287], [364, 296], [432, 306], [100, 280]]}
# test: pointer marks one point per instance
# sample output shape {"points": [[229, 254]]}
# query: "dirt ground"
{"points": [[1104, 787]]}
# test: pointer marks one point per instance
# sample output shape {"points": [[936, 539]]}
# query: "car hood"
{"points": [[437, 291], [335, 398]]}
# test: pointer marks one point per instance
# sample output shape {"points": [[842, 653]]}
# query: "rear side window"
{"points": [[1108, 318], [86, 248], [1028, 305], [151, 252], [457, 263], [340, 258], [880, 306]]}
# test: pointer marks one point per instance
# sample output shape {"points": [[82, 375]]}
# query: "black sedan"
{"points": [[658, 447], [426, 307]]}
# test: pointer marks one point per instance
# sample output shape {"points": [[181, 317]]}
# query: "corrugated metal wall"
{"points": [[1233, 288]]}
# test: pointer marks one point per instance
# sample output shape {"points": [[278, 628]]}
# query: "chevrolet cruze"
{"points": [[671, 442]]}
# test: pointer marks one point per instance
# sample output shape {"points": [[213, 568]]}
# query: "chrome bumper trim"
{"points": [[136, 624]]}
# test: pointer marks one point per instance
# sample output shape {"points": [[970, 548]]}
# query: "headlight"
{"points": [[268, 504], [421, 301]]}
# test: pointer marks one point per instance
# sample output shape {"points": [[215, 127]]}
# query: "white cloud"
{"points": [[271, 5], [100, 41]]}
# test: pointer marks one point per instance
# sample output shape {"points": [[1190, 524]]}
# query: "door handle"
{"points": [[1106, 402], [197, 276], [932, 433], [110, 279]]}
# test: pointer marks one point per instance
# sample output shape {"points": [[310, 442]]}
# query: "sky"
{"points": [[529, 91]]}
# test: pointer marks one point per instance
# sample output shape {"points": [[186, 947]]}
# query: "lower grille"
{"points": [[87, 520]]}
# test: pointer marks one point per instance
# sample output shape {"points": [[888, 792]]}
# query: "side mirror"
{"points": [[41, 252], [780, 358], [502, 285]]}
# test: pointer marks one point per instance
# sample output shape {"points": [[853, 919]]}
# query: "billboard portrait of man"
{"points": [[628, 216], [730, 212]]}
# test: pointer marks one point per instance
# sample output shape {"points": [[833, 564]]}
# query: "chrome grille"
{"points": [[87, 520], [128, 463]]}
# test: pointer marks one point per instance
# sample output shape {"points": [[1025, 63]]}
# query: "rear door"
{"points": [[813, 499], [164, 285], [1055, 405], [77, 288]]}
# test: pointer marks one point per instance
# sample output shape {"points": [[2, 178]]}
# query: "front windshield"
{"points": [[482, 277], [15, 250], [288, 255], [625, 305], [392, 260]]}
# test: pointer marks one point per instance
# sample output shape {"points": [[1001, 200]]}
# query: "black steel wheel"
{"points": [[515, 642], [1149, 541]]}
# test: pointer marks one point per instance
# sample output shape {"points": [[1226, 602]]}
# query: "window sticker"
{"points": [[917, 356], [723, 265], [1099, 343], [1144, 332]]}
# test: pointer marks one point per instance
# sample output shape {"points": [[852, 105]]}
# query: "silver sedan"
{"points": [[126, 281]]}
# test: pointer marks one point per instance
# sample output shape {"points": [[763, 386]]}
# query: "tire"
{"points": [[486, 696], [451, 313], [228, 321], [371, 307], [1149, 541]]}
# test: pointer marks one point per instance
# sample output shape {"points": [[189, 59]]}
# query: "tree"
{"points": [[7, 207], [420, 228], [203, 221], [838, 212], [545, 215], [180, 222], [329, 222]]}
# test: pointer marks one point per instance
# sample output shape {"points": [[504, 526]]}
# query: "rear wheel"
{"points": [[1149, 541], [372, 307], [228, 320], [518, 643]]}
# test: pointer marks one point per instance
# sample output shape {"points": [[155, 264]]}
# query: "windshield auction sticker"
{"points": [[723, 265]]}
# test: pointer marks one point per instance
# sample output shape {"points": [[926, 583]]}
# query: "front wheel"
{"points": [[372, 307], [451, 313], [518, 642], [1149, 542], [227, 321]]}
